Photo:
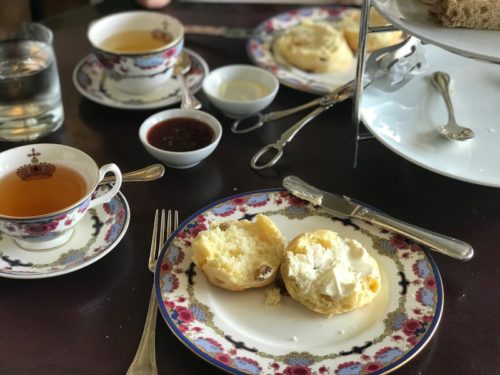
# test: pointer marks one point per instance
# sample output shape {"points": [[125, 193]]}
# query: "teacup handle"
{"points": [[106, 197]]}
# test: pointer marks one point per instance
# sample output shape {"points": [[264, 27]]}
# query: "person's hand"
{"points": [[153, 4]]}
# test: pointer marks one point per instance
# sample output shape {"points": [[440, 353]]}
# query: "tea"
{"points": [[25, 198], [136, 41]]}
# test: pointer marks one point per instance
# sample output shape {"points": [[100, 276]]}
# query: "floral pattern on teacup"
{"points": [[143, 65], [46, 228]]}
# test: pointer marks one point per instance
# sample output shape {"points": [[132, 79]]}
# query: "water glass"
{"points": [[30, 93]]}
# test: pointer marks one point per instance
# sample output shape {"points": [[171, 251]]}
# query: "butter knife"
{"points": [[345, 207], [225, 32]]}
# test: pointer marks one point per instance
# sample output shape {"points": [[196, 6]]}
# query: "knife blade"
{"points": [[346, 207], [225, 32]]}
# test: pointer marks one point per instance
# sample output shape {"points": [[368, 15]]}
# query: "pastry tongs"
{"points": [[401, 62]]}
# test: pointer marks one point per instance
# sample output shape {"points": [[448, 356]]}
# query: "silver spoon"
{"points": [[451, 130], [150, 173], [182, 66]]}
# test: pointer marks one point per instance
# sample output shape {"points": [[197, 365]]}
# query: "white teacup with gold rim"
{"points": [[45, 190], [137, 49]]}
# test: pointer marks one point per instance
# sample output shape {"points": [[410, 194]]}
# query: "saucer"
{"points": [[90, 80], [99, 231]]}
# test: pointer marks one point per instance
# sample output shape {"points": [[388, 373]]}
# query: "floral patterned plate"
{"points": [[91, 82], [259, 49], [239, 333], [100, 230]]}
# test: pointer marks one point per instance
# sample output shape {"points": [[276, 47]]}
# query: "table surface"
{"points": [[90, 321]]}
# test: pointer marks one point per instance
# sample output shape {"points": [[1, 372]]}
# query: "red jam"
{"points": [[181, 134]]}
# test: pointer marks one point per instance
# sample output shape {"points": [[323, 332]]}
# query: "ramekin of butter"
{"points": [[240, 90]]}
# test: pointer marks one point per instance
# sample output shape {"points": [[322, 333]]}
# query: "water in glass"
{"points": [[30, 94]]}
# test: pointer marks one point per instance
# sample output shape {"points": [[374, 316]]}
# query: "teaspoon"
{"points": [[182, 66], [149, 173], [451, 130]]}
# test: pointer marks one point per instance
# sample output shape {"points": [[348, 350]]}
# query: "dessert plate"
{"points": [[259, 50], [407, 120], [412, 16], [90, 80], [239, 333], [100, 230]]}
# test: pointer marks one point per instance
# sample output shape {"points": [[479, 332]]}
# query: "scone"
{"points": [[471, 14], [238, 255], [350, 26], [328, 274], [314, 47]]}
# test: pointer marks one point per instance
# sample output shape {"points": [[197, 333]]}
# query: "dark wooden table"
{"points": [[90, 321]]}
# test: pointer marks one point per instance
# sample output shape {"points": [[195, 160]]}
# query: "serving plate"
{"points": [[239, 333], [412, 16], [407, 121], [259, 50]]}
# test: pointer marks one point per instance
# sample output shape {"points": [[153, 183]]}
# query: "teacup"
{"points": [[137, 49], [45, 190]]}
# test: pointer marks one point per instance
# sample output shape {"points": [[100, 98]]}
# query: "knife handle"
{"points": [[444, 244]]}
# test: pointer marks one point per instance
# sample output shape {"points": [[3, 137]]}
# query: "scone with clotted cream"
{"points": [[240, 254], [316, 47], [329, 274]]}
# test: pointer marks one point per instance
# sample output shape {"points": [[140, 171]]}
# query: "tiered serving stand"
{"points": [[466, 43]]}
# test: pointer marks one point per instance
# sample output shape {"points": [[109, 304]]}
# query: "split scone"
{"points": [[350, 25], [471, 14], [328, 274], [238, 255], [316, 47]]}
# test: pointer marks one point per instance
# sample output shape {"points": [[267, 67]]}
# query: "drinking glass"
{"points": [[30, 93]]}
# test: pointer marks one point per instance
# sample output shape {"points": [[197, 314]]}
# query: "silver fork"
{"points": [[145, 358]]}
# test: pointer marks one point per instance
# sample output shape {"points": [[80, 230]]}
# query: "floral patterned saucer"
{"points": [[239, 333], [91, 82], [259, 50], [100, 230]]}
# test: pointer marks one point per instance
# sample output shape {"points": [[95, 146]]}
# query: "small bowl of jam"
{"points": [[180, 138], [240, 90]]}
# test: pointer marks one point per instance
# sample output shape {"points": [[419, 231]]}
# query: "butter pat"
{"points": [[330, 274]]}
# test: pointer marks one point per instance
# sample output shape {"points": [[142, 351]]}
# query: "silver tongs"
{"points": [[398, 64]]}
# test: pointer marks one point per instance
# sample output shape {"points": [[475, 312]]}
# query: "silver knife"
{"points": [[225, 32], [344, 206]]}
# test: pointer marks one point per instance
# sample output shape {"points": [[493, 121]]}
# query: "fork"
{"points": [[145, 358]]}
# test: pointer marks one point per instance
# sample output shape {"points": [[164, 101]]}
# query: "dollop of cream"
{"points": [[337, 273]]}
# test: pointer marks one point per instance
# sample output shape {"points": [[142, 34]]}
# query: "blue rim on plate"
{"points": [[238, 333], [90, 80], [259, 50], [99, 231]]}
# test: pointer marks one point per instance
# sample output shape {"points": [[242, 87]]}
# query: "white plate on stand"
{"points": [[407, 120], [412, 16]]}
